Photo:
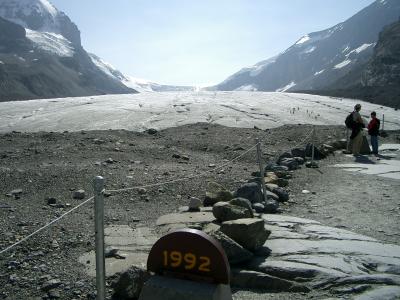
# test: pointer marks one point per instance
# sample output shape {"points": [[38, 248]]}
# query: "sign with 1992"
{"points": [[189, 254]]}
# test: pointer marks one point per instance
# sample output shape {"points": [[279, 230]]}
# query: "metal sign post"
{"points": [[260, 164], [98, 186]]}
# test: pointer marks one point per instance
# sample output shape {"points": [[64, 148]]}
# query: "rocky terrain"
{"points": [[41, 174]]}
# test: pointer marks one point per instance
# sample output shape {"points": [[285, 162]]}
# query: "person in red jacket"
{"points": [[373, 131]]}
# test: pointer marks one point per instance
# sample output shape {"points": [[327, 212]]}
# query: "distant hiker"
{"points": [[373, 131], [356, 130]]}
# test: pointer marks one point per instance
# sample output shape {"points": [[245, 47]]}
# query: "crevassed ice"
{"points": [[342, 64], [51, 42]]}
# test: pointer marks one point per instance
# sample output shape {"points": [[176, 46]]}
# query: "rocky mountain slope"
{"points": [[41, 55], [378, 80], [319, 59]]}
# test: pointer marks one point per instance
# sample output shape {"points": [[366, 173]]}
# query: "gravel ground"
{"points": [[54, 165]]}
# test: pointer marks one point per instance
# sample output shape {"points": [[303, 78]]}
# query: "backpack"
{"points": [[349, 121]]}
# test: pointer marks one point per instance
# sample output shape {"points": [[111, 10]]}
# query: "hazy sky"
{"points": [[197, 42]]}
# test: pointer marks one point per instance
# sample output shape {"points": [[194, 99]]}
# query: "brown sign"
{"points": [[189, 254]]}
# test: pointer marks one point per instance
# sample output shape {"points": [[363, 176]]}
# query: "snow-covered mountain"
{"points": [[138, 84], [319, 59], [46, 59]]}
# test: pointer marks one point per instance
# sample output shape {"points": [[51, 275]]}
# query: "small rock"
{"points": [[79, 194], [194, 204], [176, 155], [50, 284], [110, 251], [142, 191], [152, 131], [109, 160], [16, 192], [54, 294], [51, 200], [305, 191], [54, 244]]}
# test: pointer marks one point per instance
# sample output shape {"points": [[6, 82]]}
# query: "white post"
{"points": [[383, 122], [260, 164], [98, 186]]}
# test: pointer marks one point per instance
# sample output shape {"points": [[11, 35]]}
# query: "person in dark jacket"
{"points": [[373, 131], [357, 130]]}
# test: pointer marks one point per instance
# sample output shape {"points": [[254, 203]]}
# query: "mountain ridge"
{"points": [[319, 59]]}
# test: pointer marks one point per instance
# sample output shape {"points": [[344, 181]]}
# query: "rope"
{"points": [[44, 227], [186, 178]]}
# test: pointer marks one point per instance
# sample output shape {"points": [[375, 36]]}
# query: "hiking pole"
{"points": [[98, 186], [260, 164]]}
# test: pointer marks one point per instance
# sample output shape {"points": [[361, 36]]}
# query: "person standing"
{"points": [[356, 132], [373, 131]]}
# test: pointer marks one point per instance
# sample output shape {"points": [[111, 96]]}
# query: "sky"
{"points": [[197, 42]]}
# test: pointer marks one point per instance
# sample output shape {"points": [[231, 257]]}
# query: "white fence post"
{"points": [[98, 186], [260, 164]]}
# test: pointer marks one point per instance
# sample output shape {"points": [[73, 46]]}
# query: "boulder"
{"points": [[235, 253], [283, 174], [194, 204], [249, 233], [298, 152], [275, 167], [299, 160], [271, 206], [128, 285], [317, 153], [259, 207], [271, 178], [272, 196], [290, 163], [224, 211], [281, 193], [243, 203], [250, 191], [270, 187], [281, 182], [285, 155], [216, 193]]}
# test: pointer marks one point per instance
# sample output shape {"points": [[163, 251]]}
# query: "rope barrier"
{"points": [[45, 226], [186, 178]]}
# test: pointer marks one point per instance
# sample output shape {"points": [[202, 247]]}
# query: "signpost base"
{"points": [[165, 288]]}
